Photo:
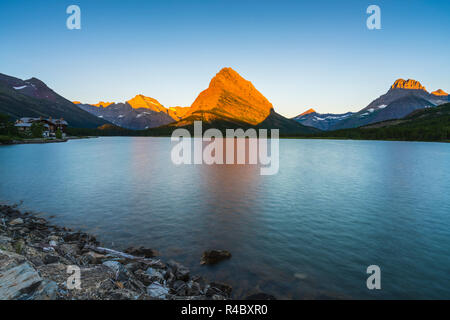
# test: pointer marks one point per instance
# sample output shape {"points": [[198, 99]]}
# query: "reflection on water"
{"points": [[334, 208]]}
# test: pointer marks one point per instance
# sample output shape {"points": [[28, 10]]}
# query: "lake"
{"points": [[308, 232]]}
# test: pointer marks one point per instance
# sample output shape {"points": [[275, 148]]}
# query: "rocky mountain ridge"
{"points": [[403, 97]]}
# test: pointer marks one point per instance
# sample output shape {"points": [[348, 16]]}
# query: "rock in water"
{"points": [[300, 276], [142, 252], [215, 256], [223, 287]]}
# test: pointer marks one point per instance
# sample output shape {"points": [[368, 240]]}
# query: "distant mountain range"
{"points": [[230, 101], [322, 121], [138, 113], [403, 97], [32, 98], [429, 124]]}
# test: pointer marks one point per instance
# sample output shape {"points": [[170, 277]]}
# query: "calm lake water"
{"points": [[334, 208]]}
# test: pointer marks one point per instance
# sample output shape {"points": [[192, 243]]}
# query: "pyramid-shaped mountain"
{"points": [[230, 101], [231, 96]]}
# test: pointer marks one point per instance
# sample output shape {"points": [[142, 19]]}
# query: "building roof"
{"points": [[54, 121], [59, 121], [28, 124], [28, 119], [22, 125]]}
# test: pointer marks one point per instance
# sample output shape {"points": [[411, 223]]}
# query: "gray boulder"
{"points": [[157, 290], [16, 221], [18, 281]]}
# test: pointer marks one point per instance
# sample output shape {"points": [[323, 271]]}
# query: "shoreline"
{"points": [[37, 260], [287, 137], [42, 140]]}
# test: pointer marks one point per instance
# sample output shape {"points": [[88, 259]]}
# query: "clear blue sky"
{"points": [[299, 54]]}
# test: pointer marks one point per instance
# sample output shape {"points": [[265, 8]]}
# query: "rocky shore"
{"points": [[39, 261]]}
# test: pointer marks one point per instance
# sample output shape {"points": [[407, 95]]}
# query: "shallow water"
{"points": [[334, 208]]}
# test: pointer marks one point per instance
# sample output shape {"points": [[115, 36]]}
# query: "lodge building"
{"points": [[50, 125]]}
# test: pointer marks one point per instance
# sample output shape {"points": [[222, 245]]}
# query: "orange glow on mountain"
{"points": [[407, 84], [103, 104], [231, 96], [141, 101], [440, 92], [307, 112], [178, 112]]}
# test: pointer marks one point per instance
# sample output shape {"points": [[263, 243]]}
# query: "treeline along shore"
{"points": [[41, 261], [429, 124]]}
